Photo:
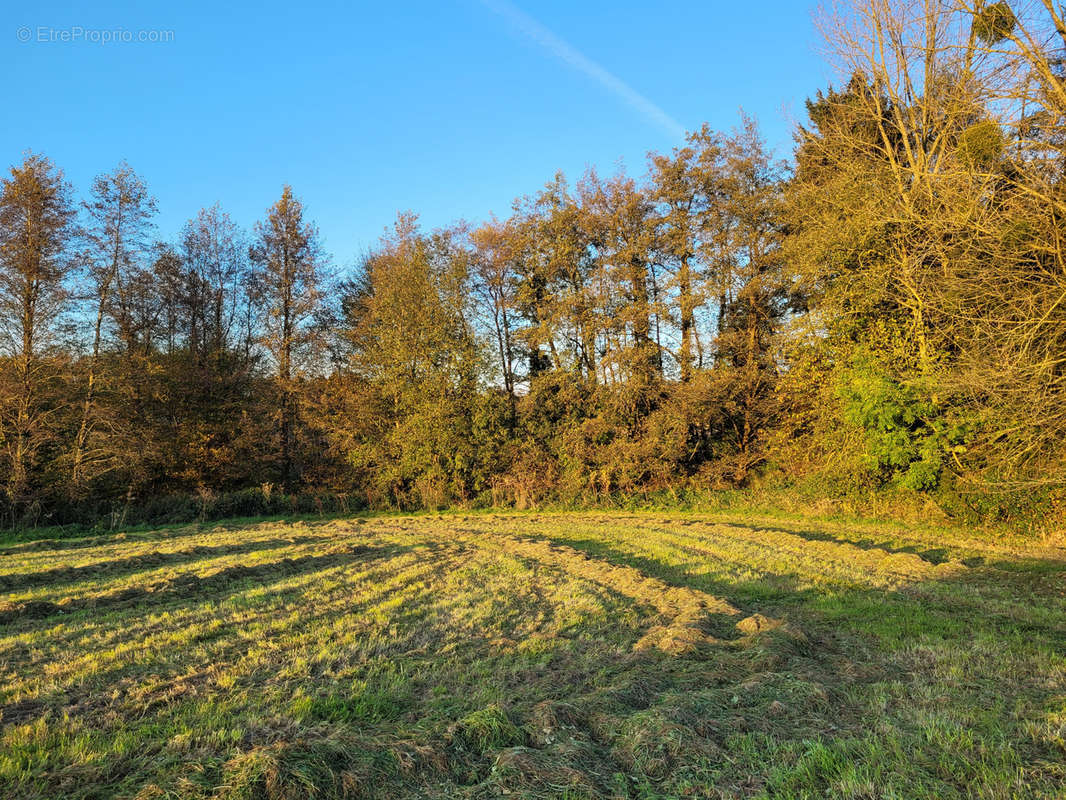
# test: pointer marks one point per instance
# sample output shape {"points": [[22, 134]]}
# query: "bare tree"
{"points": [[119, 214], [215, 273]]}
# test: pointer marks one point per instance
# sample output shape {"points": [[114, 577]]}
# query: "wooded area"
{"points": [[885, 311]]}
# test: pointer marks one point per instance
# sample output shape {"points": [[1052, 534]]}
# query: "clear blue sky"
{"points": [[449, 108]]}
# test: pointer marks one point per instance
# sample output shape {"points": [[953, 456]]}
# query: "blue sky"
{"points": [[450, 109]]}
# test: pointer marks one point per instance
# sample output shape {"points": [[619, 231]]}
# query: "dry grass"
{"points": [[533, 655]]}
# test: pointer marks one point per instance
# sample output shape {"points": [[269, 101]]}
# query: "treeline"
{"points": [[886, 312]]}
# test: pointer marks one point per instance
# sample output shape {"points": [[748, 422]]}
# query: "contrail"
{"points": [[567, 54]]}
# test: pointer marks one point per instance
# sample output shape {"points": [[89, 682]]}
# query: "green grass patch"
{"points": [[534, 655]]}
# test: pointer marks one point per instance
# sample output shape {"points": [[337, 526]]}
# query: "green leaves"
{"points": [[907, 433], [994, 23], [981, 145]]}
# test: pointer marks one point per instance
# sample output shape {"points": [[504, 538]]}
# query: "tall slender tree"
{"points": [[216, 274], [621, 216], [119, 219], [287, 285], [37, 221], [495, 283], [760, 294], [686, 188]]}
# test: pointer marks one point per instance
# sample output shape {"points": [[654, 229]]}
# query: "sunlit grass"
{"points": [[533, 655]]}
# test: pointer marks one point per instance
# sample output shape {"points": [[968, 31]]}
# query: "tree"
{"points": [[410, 411], [36, 227], [119, 221], [286, 285], [685, 187], [215, 280], [495, 283], [758, 291], [924, 221], [556, 287], [621, 218]]}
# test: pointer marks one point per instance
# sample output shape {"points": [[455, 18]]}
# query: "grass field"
{"points": [[533, 655]]}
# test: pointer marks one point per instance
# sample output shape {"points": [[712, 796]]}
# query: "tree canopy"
{"points": [[885, 311]]}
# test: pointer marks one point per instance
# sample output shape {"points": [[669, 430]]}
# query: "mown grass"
{"points": [[579, 655]]}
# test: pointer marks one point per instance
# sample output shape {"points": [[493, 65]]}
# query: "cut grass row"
{"points": [[533, 655]]}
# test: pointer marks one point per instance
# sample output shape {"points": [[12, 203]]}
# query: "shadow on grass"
{"points": [[965, 673], [73, 537], [773, 588], [147, 561], [981, 599], [931, 555], [936, 689], [115, 692], [192, 588], [905, 692]]}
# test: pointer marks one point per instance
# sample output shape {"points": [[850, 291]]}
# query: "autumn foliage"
{"points": [[885, 312]]}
